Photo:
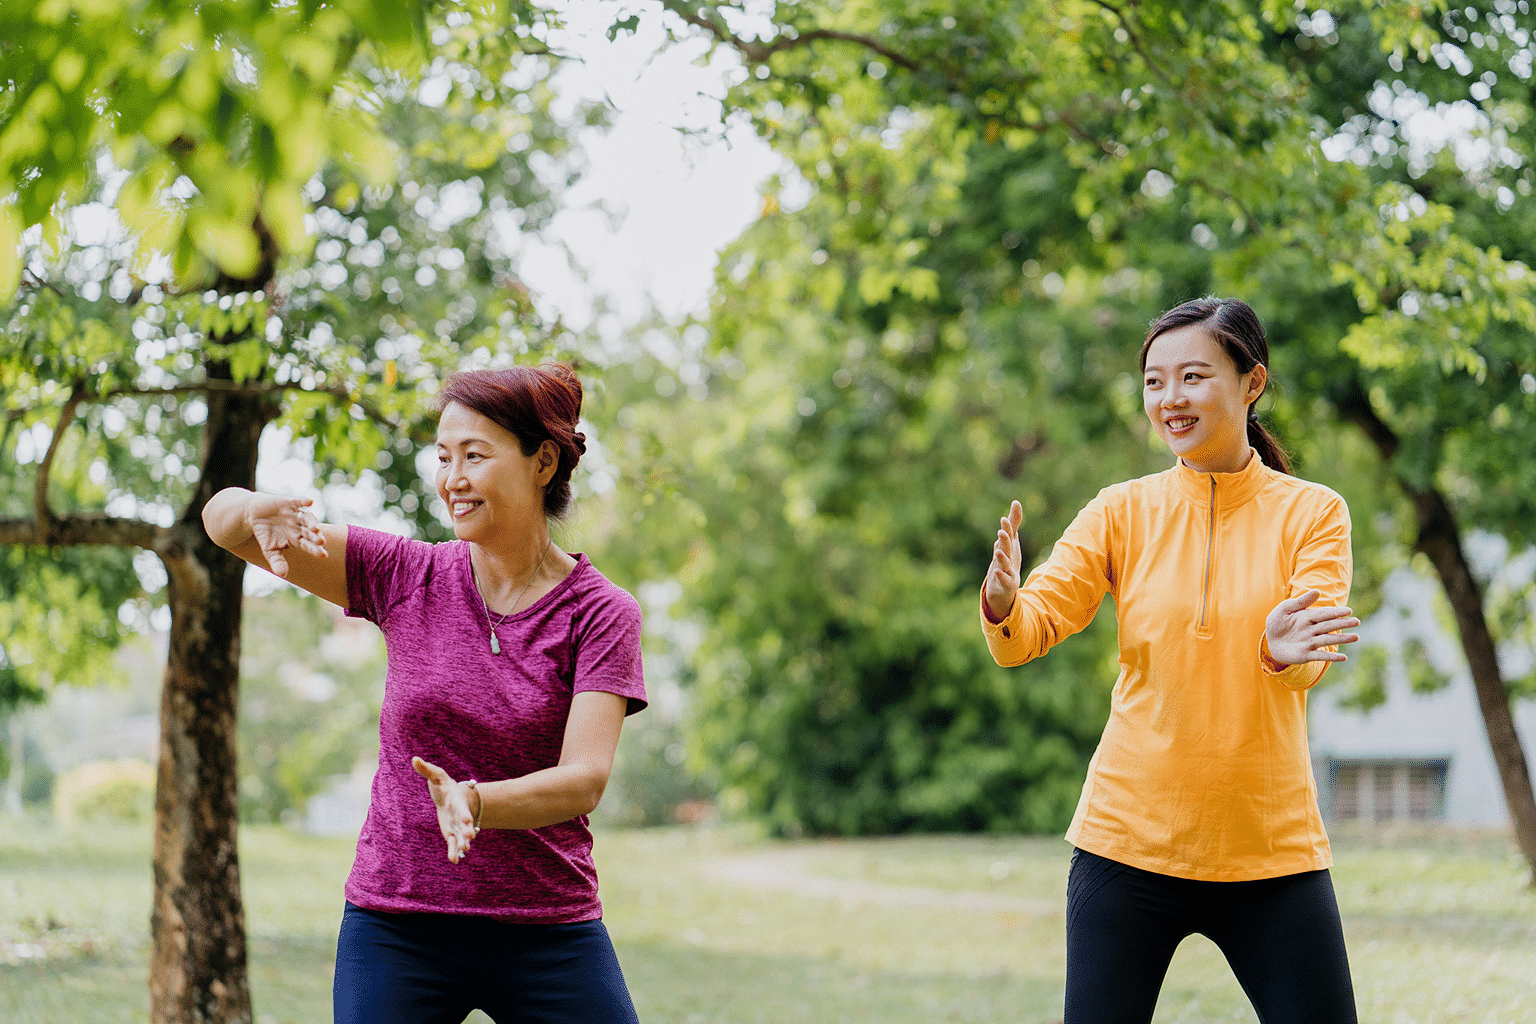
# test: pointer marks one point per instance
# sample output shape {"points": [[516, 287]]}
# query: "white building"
{"points": [[1420, 756]]}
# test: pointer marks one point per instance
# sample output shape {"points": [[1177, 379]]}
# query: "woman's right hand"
{"points": [[279, 523], [1003, 575]]}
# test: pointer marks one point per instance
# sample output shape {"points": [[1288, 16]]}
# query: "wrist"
{"points": [[1267, 657], [476, 802]]}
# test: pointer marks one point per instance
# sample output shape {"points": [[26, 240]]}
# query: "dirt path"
{"points": [[787, 871]]}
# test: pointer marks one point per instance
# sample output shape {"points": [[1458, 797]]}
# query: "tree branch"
{"points": [[44, 515], [89, 528], [38, 282], [255, 387], [1253, 224], [1136, 44], [759, 52]]}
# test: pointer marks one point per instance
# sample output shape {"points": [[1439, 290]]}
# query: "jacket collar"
{"points": [[1231, 490]]}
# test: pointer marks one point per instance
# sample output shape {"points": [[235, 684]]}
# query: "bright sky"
{"points": [[682, 197]]}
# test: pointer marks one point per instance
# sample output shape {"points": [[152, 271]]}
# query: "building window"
{"points": [[1383, 790]]}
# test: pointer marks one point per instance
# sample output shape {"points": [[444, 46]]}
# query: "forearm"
{"points": [[225, 519], [541, 798]]}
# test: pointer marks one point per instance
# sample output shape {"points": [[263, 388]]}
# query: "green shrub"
{"points": [[118, 790]]}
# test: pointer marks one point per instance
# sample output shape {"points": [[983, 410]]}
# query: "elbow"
{"points": [[589, 792], [215, 517]]}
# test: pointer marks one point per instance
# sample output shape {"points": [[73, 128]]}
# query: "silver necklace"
{"points": [[496, 644]]}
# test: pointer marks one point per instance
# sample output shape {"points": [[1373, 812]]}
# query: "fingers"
{"points": [[454, 819], [286, 524], [1002, 575], [1334, 625], [459, 842], [276, 562], [1321, 655], [1300, 601], [1015, 516], [307, 528]]}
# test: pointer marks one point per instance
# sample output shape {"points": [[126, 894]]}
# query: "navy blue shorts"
{"points": [[437, 968]]}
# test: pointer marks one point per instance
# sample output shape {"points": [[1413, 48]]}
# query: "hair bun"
{"points": [[581, 441]]}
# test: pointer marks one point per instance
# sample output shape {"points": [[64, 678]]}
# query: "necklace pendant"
{"points": [[495, 644]]}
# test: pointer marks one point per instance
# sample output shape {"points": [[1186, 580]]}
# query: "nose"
{"points": [[1173, 396], [454, 478]]}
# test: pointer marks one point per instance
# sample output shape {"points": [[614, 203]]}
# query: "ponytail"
{"points": [[1265, 444]]}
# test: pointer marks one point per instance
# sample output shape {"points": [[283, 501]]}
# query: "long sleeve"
{"points": [[1061, 595], [1324, 563]]}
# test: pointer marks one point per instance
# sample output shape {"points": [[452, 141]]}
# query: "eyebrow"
{"points": [[1181, 366], [464, 441]]}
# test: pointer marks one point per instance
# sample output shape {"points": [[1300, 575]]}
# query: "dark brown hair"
{"points": [[537, 404], [1236, 328]]}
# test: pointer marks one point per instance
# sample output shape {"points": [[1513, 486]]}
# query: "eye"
{"points": [[1152, 382], [1193, 376]]}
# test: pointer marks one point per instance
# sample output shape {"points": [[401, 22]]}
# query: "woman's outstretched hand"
{"points": [[281, 523], [1003, 574], [1298, 629], [455, 813]]}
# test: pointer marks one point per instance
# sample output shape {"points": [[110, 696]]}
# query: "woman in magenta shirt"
{"points": [[512, 666]]}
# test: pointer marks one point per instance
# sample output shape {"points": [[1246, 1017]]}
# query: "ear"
{"points": [[1258, 379], [547, 458]]}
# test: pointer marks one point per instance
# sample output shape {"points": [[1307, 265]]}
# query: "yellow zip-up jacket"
{"points": [[1203, 770]]}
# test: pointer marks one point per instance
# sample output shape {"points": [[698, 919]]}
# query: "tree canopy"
{"points": [[1019, 186], [233, 215]]}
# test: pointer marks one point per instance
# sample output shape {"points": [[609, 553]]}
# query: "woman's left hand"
{"points": [[1298, 629], [455, 811]]}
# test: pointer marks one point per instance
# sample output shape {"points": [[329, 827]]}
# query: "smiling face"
{"points": [[1197, 401], [491, 488]]}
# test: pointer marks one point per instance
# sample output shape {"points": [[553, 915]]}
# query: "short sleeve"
{"points": [[382, 570], [607, 640], [1325, 563]]}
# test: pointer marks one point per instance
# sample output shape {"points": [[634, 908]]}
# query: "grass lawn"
{"points": [[716, 928]]}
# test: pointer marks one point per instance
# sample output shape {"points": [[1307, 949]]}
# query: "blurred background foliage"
{"points": [[400, 272], [311, 682], [939, 310]]}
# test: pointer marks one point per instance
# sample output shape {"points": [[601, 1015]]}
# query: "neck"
{"points": [[1231, 462], [510, 564]]}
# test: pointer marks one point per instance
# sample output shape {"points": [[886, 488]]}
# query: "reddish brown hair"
{"points": [[1237, 329], [537, 404]]}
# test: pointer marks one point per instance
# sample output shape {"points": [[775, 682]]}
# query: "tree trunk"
{"points": [[1440, 540], [198, 964]]}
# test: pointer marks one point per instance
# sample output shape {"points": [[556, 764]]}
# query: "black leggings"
{"points": [[1281, 935]]}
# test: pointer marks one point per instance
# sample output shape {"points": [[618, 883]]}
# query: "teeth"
{"points": [[1180, 424]]}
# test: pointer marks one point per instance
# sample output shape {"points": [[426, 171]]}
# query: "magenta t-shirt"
{"points": [[483, 716]]}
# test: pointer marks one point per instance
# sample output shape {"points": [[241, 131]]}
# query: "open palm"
{"points": [[1003, 575]]}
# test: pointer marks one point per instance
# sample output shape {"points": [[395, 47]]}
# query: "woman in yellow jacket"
{"points": [[1229, 575]]}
